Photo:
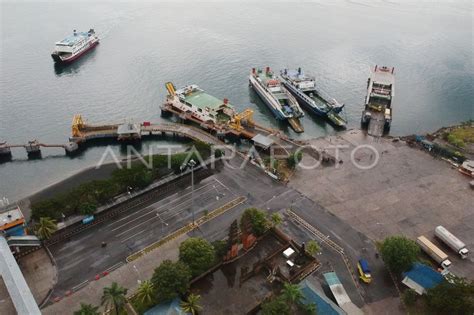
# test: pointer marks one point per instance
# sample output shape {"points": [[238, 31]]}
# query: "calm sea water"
{"points": [[215, 45]]}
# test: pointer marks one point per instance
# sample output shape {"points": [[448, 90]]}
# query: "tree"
{"points": [[87, 208], [145, 292], [291, 293], [198, 254], [399, 253], [455, 296], [275, 306], [114, 298], [191, 304], [312, 247], [409, 297], [294, 159], [220, 248], [276, 219], [257, 220], [87, 309], [171, 279], [45, 228]]}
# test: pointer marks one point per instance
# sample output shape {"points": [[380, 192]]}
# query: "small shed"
{"points": [[421, 278], [128, 131], [262, 141]]}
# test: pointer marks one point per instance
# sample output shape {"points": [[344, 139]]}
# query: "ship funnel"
{"points": [[74, 32], [299, 70], [226, 101], [267, 69], [253, 70]]}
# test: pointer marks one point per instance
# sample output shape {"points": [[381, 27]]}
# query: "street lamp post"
{"points": [[192, 163]]}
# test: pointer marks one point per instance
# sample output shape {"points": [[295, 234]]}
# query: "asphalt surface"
{"points": [[82, 257]]}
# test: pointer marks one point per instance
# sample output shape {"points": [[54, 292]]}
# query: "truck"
{"points": [[433, 251], [452, 241]]}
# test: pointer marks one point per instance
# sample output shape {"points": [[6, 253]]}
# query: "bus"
{"points": [[364, 271]]}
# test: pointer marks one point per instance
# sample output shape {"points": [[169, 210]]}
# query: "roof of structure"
{"points": [[262, 140], [323, 304], [73, 39], [169, 308], [424, 275], [128, 129], [202, 100]]}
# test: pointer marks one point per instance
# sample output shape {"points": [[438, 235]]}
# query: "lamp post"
{"points": [[191, 164]]}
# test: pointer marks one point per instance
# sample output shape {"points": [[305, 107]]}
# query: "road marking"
{"points": [[156, 209], [132, 236], [166, 219], [134, 213]]}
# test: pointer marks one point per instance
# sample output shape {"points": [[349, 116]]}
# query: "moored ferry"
{"points": [[313, 99], [74, 46], [377, 113], [277, 98], [195, 102]]}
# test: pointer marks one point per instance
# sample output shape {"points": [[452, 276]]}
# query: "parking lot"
{"points": [[408, 192]]}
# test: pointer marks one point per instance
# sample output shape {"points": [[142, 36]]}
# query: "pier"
{"points": [[241, 126]]}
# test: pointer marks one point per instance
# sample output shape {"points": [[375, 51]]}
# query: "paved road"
{"points": [[82, 257]]}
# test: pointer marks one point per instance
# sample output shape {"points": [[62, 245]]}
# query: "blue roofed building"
{"points": [[323, 304], [169, 308], [421, 278]]}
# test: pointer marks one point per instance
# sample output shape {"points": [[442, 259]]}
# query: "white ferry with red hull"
{"points": [[74, 46]]}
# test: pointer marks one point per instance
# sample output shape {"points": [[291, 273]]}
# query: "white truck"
{"points": [[452, 241], [433, 251]]}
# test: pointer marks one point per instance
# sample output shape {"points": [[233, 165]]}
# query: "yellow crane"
{"points": [[77, 125], [244, 117]]}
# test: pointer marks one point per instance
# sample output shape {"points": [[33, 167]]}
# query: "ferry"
{"points": [[74, 46], [277, 98], [192, 101], [377, 113], [311, 98]]}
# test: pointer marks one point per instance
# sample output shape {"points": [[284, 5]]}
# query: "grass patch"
{"points": [[85, 198], [460, 136]]}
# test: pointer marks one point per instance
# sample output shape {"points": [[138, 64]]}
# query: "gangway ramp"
{"points": [[340, 294]]}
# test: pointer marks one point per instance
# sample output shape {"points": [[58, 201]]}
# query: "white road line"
{"points": [[135, 226], [157, 202], [126, 239], [156, 209], [164, 219]]}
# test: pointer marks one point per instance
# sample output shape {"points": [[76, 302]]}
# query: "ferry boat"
{"points": [[311, 98], [377, 113], [74, 46], [194, 102], [277, 98]]}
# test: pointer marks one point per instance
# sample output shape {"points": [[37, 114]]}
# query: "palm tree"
{"points": [[313, 247], [310, 308], [145, 292], [87, 309], [191, 305], [45, 228], [114, 297], [292, 294], [276, 219]]}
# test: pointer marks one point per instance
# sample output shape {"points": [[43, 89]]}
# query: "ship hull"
{"points": [[305, 102], [57, 59], [267, 102]]}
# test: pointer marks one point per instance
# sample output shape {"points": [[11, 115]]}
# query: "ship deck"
{"points": [[202, 100], [73, 39]]}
